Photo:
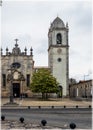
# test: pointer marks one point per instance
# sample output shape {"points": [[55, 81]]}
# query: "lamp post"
{"points": [[85, 76]]}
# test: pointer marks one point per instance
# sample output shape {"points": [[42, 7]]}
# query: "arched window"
{"points": [[59, 38]]}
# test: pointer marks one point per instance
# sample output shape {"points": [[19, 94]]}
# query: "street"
{"points": [[60, 117]]}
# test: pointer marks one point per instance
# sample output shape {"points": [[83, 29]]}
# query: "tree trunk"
{"points": [[43, 95], [46, 96]]}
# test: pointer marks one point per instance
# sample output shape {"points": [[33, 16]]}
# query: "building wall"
{"points": [[82, 89]]}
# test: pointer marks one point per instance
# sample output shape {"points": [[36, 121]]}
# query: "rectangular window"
{"points": [[4, 79], [28, 80]]}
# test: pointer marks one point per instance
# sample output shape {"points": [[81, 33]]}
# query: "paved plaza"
{"points": [[51, 102]]}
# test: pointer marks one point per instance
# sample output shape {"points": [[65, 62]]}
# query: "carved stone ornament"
{"points": [[16, 50], [16, 76]]}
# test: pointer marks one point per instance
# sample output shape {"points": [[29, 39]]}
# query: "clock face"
{"points": [[59, 50]]}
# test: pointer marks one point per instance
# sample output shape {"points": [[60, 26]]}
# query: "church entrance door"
{"points": [[60, 92], [16, 90]]}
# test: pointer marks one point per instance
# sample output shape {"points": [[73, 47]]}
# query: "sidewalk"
{"points": [[12, 125], [52, 102]]}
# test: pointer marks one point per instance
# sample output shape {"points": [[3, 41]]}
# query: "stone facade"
{"points": [[83, 89], [21, 76], [58, 60]]}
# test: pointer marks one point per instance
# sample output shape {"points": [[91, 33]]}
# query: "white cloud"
{"points": [[29, 22]]}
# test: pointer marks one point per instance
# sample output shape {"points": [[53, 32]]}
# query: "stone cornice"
{"points": [[58, 46], [58, 29], [16, 55]]}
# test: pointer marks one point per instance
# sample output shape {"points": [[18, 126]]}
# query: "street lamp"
{"points": [[85, 76]]}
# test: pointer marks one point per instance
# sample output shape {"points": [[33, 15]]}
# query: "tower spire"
{"points": [[31, 51], [25, 50], [7, 51]]}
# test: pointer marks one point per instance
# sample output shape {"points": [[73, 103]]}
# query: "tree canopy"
{"points": [[43, 82]]}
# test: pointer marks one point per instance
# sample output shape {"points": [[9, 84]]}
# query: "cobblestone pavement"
{"points": [[23, 126]]}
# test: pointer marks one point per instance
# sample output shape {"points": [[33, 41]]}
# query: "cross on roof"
{"points": [[16, 42]]}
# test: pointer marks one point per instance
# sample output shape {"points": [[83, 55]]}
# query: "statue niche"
{"points": [[16, 50]]}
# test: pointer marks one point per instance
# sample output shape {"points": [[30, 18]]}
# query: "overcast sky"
{"points": [[29, 21]]}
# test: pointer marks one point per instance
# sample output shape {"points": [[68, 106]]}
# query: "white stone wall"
{"points": [[59, 69]]}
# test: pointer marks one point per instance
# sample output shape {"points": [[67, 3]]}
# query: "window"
{"points": [[28, 80], [59, 38], [4, 79]]}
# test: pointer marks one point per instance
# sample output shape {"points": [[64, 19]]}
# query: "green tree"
{"points": [[43, 82]]}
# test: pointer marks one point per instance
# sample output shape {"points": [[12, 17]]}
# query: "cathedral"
{"points": [[58, 63]]}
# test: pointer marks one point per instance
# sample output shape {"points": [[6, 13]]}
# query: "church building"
{"points": [[58, 63]]}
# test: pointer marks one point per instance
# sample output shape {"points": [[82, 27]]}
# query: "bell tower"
{"points": [[58, 53]]}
